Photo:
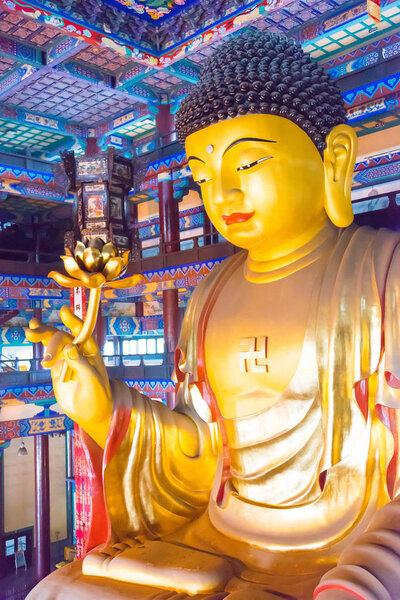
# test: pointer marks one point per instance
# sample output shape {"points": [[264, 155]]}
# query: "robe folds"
{"points": [[145, 485]]}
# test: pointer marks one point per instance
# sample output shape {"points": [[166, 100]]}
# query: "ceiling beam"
{"points": [[111, 127], [20, 52], [364, 58], [125, 78], [75, 29], [19, 77], [52, 124]]}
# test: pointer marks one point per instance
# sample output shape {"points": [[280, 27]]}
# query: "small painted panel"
{"points": [[22, 137], [152, 10]]}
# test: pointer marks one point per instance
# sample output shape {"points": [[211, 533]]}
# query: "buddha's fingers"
{"points": [[37, 332], [56, 345], [79, 364], [75, 324]]}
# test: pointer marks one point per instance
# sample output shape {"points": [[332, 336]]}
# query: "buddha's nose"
{"points": [[234, 196]]}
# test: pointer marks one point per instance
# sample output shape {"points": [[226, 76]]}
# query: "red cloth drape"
{"points": [[374, 9]]}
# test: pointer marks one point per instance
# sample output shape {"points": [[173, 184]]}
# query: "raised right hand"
{"points": [[80, 379]]}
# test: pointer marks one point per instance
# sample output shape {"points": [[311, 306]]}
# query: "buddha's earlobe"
{"points": [[339, 161]]}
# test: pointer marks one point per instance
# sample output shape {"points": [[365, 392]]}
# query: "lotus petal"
{"points": [[95, 280], [125, 257], [71, 266], [92, 259], [113, 268], [79, 248], [127, 282], [108, 251], [78, 253], [63, 280], [68, 252], [96, 243]]}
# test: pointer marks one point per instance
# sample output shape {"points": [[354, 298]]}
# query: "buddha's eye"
{"points": [[200, 181], [253, 164]]}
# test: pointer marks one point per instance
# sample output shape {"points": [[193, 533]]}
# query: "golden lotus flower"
{"points": [[94, 266]]}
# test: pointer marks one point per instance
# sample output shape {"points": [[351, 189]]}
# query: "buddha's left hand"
{"points": [[80, 380]]}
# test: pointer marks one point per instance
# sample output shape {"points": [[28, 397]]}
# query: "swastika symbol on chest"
{"points": [[253, 355]]}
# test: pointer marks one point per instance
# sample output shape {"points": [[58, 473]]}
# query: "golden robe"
{"points": [[147, 487]]}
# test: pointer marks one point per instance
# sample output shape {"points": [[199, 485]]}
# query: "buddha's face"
{"points": [[261, 178]]}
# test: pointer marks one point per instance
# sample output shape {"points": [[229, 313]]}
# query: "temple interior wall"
{"points": [[149, 210], [19, 492]]}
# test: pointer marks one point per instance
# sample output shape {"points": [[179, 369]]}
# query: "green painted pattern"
{"points": [[15, 136], [342, 37], [137, 128]]}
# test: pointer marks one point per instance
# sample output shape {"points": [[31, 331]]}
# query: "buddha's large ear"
{"points": [[339, 161]]}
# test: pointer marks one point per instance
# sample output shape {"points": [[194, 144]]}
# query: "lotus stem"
{"points": [[89, 322]]}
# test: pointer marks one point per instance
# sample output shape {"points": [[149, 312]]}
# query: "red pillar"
{"points": [[169, 233], [42, 504], [139, 309], [165, 124], [70, 476], [171, 314], [42, 486], [1, 489], [37, 348], [91, 147]]}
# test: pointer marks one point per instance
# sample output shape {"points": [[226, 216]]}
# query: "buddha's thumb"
{"points": [[78, 363]]}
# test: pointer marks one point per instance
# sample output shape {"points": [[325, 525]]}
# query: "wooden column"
{"points": [[69, 480], [169, 214], [210, 233], [139, 309], [42, 487], [38, 349], [91, 147], [165, 123], [3, 445], [169, 233], [42, 505], [117, 351], [1, 491]]}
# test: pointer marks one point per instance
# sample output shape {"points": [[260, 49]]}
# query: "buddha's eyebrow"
{"points": [[247, 139], [195, 158]]}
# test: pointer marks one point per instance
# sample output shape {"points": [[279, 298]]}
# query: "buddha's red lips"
{"points": [[237, 217]]}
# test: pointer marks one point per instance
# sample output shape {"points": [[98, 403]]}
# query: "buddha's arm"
{"points": [[162, 469], [160, 476]]}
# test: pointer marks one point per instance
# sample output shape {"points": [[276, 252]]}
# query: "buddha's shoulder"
{"points": [[366, 251], [381, 242]]}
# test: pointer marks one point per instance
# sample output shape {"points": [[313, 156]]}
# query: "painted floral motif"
{"points": [[155, 9]]}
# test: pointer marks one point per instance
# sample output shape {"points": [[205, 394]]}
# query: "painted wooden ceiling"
{"points": [[72, 69]]}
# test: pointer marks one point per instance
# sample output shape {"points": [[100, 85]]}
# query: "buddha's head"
{"points": [[266, 139]]}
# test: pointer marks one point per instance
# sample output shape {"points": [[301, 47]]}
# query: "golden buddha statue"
{"points": [[276, 474]]}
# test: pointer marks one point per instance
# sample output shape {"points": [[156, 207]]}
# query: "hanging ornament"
{"points": [[374, 10]]}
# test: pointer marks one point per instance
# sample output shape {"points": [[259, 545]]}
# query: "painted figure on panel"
{"points": [[276, 476]]}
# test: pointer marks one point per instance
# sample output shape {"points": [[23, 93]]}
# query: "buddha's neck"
{"points": [[308, 249]]}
